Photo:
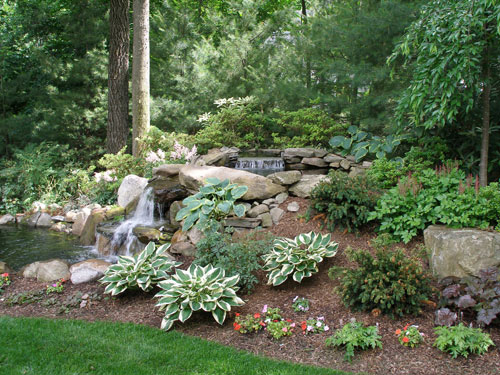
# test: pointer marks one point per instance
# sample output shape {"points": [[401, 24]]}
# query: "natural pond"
{"points": [[21, 245]]}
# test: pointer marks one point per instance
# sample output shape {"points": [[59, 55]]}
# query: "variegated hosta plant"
{"points": [[198, 288], [299, 256], [142, 271]]}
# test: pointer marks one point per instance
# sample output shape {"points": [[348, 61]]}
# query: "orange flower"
{"points": [[406, 339], [256, 315], [398, 332], [237, 327], [406, 327]]}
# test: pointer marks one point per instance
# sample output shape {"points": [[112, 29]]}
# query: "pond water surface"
{"points": [[21, 245]]}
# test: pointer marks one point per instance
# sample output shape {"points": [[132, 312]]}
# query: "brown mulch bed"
{"points": [[319, 289]]}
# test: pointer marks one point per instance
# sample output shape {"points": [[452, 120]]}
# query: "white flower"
{"points": [[295, 299], [321, 318], [204, 117], [318, 324], [326, 328]]}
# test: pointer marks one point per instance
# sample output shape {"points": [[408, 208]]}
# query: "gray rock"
{"points": [[332, 158], [93, 206], [221, 157], [7, 219], [461, 252], [38, 206], [304, 187], [258, 210], [58, 227], [285, 178], [4, 268], [351, 158], [293, 207], [103, 245], [131, 189], [32, 220], [366, 164], [274, 205], [356, 171], [58, 218], [174, 208], [259, 187], [292, 159], [243, 222], [267, 220], [88, 270], [87, 236], [79, 221], [346, 164], [315, 171], [146, 234], [167, 170], [269, 201], [297, 166], [304, 152], [280, 198], [316, 162], [335, 164], [170, 194], [70, 216], [46, 271], [247, 206], [276, 214], [44, 221], [195, 235], [184, 248]]}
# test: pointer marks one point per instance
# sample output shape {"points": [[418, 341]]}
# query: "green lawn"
{"points": [[39, 346]]}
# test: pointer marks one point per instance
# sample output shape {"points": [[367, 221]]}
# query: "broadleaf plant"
{"points": [[197, 288], [298, 257], [141, 271], [214, 201]]}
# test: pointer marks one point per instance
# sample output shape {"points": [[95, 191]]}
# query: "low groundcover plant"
{"points": [[300, 304], [56, 287], [462, 340], [197, 288], [410, 336]]}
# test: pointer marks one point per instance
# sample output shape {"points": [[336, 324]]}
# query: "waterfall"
{"points": [[260, 165], [143, 215]]}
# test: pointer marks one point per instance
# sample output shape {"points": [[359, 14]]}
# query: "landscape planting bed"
{"points": [[393, 358]]}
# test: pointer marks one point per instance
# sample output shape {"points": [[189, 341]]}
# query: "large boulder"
{"points": [[7, 219], [79, 221], [87, 236], [48, 270], [303, 153], [307, 183], [88, 270], [285, 177], [44, 221], [315, 162], [147, 234], [461, 252], [167, 170], [131, 189], [259, 187], [4, 268], [32, 220]]}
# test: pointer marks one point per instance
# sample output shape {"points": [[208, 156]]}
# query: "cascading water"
{"points": [[260, 165], [143, 215]]}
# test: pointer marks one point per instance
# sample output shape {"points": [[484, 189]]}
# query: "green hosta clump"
{"points": [[214, 201], [299, 256], [197, 288], [141, 271]]}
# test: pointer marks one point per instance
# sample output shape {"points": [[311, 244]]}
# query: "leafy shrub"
{"points": [[156, 139], [361, 143], [197, 288], [391, 282], [346, 201], [436, 196], [236, 258], [479, 296], [215, 201], [354, 336], [141, 271], [279, 329], [386, 172], [238, 122], [306, 127], [122, 164], [299, 257], [462, 340]]}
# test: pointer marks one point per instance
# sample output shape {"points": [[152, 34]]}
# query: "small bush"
{"points": [[354, 336], [462, 340], [391, 282], [236, 258], [346, 201]]}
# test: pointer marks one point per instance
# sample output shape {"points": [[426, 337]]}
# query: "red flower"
{"points": [[303, 325], [289, 320], [256, 315], [406, 339], [398, 332], [262, 324], [237, 314], [5, 274], [406, 327], [237, 327]]}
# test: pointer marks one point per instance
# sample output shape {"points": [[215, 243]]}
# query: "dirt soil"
{"points": [[309, 349]]}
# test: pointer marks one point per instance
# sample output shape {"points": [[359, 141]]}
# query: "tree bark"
{"points": [[308, 59], [140, 74], [119, 41], [485, 138]]}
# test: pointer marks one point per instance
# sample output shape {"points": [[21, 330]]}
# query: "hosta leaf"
{"points": [[336, 141], [224, 206], [213, 181], [208, 306], [207, 189], [166, 300], [235, 301], [238, 192], [195, 306], [298, 276], [118, 290], [239, 210], [224, 305], [182, 213], [287, 269], [278, 280], [219, 315], [185, 314], [166, 324], [171, 309], [231, 281], [190, 220], [183, 275]]}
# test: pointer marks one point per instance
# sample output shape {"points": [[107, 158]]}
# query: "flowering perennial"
{"points": [[410, 336]]}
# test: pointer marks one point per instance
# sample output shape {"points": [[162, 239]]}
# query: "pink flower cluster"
{"points": [[181, 151], [107, 176]]}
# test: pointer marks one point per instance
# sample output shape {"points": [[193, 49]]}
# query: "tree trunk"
{"points": [[308, 60], [140, 74], [485, 139], [119, 41]]}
